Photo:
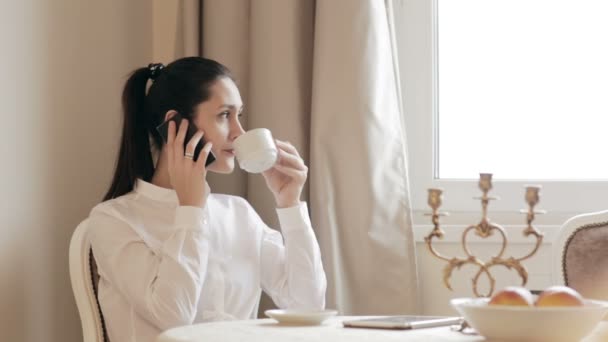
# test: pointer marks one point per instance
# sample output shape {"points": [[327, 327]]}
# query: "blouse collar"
{"points": [[155, 192]]}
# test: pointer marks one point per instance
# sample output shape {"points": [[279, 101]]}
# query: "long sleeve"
{"points": [[292, 272], [162, 285]]}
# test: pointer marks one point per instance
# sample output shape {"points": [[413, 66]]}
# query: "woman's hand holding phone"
{"points": [[186, 175]]}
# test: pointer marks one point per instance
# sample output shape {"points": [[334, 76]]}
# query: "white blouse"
{"points": [[163, 265]]}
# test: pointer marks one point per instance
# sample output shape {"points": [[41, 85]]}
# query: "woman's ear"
{"points": [[169, 114]]}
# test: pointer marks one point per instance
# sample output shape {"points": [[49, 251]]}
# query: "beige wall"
{"points": [[62, 66]]}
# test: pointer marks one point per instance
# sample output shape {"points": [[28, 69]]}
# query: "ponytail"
{"points": [[134, 159]]}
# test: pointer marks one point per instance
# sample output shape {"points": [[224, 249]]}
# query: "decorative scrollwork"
{"points": [[484, 229]]}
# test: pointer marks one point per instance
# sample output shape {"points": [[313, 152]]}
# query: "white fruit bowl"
{"points": [[520, 323]]}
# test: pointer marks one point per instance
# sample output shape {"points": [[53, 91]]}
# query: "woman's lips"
{"points": [[229, 152]]}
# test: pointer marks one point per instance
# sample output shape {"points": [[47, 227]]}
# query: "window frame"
{"points": [[416, 35]]}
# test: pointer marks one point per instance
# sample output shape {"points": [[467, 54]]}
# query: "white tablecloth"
{"points": [[268, 330]]}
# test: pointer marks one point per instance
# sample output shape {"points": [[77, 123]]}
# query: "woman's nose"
{"points": [[237, 131]]}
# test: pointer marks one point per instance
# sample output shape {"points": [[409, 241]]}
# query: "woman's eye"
{"points": [[225, 114]]}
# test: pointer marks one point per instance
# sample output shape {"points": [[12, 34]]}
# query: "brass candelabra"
{"points": [[484, 229]]}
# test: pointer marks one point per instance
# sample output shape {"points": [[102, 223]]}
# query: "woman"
{"points": [[169, 253]]}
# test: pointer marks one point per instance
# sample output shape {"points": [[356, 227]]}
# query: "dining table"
{"points": [[269, 330]]}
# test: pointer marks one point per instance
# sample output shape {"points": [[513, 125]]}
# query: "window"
{"points": [[517, 88]]}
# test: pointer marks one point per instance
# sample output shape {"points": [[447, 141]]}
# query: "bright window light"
{"points": [[522, 89]]}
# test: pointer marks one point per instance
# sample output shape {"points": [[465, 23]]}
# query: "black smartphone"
{"points": [[163, 130]]}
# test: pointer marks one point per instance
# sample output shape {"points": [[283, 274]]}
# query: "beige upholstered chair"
{"points": [[581, 255], [83, 273]]}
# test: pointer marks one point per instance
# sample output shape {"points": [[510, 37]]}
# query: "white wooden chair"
{"points": [[83, 273], [580, 255]]}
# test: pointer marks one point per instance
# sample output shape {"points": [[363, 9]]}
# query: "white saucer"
{"points": [[300, 317]]}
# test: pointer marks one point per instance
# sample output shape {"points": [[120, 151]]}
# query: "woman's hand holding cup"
{"points": [[287, 177], [278, 161]]}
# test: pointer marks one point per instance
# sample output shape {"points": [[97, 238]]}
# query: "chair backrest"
{"points": [[83, 274], [580, 255]]}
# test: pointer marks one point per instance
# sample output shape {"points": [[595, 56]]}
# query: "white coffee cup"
{"points": [[256, 150]]}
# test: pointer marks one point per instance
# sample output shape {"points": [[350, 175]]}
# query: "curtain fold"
{"points": [[322, 75], [280, 82], [360, 203], [225, 37]]}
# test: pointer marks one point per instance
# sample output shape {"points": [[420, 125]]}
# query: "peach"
{"points": [[514, 296], [559, 296]]}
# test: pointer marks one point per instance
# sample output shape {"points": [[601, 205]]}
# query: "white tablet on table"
{"points": [[402, 322]]}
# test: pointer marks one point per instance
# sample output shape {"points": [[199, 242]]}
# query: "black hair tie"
{"points": [[154, 70]]}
